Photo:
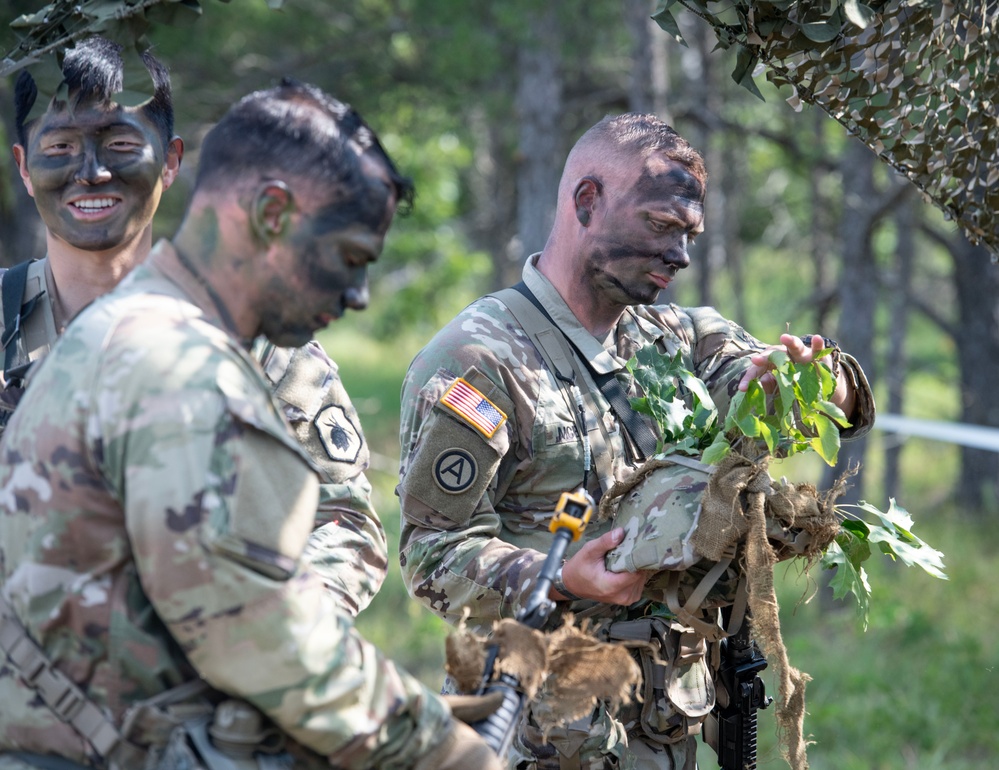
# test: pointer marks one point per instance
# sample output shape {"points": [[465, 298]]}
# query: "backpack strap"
{"points": [[16, 311], [554, 348], [643, 438]]}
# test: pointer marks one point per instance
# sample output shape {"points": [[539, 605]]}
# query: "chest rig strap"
{"points": [[554, 348], [643, 439], [67, 701]]}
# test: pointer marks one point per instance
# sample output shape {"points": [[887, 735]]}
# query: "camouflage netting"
{"points": [[563, 673], [915, 80]]}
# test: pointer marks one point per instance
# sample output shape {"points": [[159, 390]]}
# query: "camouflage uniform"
{"points": [[348, 547], [476, 498], [153, 510]]}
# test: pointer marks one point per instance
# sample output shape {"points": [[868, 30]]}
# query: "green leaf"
{"points": [[826, 443], [849, 578], [745, 63], [717, 451], [664, 18], [809, 383]]}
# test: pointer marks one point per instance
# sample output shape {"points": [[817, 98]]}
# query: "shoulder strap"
{"points": [[15, 312], [67, 701], [643, 437]]}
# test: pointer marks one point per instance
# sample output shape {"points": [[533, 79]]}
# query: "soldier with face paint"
{"points": [[524, 396], [155, 508], [96, 170]]}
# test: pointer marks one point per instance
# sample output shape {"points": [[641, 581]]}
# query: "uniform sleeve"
{"points": [[348, 547], [219, 503], [453, 469]]}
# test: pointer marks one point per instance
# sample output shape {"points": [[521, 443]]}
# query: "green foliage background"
{"points": [[919, 689]]}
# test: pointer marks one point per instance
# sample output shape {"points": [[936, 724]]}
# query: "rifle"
{"points": [[572, 514], [741, 662]]}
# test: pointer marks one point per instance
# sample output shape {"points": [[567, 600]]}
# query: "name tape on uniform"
{"points": [[468, 403]]}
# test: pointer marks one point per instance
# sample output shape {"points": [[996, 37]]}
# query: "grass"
{"points": [[919, 690]]}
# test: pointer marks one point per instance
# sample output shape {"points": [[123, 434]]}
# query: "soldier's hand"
{"points": [[587, 576], [474, 708], [461, 749]]}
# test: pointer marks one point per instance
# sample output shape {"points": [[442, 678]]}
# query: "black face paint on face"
{"points": [[96, 174], [327, 275], [642, 238]]}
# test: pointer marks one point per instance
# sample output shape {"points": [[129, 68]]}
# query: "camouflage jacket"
{"points": [[154, 508], [349, 547], [477, 490]]}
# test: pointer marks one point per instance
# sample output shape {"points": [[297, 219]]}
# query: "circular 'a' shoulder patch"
{"points": [[340, 437], [455, 471]]}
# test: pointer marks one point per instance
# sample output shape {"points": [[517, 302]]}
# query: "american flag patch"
{"points": [[468, 403]]}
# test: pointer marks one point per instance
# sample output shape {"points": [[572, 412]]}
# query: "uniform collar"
{"points": [[602, 360], [165, 260]]}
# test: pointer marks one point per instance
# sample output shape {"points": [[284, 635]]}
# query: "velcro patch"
{"points": [[455, 470], [473, 407]]}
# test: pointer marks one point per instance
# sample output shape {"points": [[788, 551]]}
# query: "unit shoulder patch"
{"points": [[340, 437]]}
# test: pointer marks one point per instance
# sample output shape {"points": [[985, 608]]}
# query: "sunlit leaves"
{"points": [[890, 532], [796, 416], [676, 400]]}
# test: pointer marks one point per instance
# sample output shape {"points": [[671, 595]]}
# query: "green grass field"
{"points": [[919, 690]]}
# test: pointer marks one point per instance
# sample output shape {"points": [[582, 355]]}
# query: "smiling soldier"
{"points": [[96, 171]]}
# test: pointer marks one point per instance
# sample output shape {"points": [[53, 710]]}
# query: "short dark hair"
{"points": [[296, 128], [635, 132], [94, 69]]}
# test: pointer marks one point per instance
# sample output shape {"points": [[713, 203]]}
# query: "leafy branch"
{"points": [[799, 416]]}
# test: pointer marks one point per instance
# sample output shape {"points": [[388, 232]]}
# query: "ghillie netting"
{"points": [[769, 521], [915, 80], [564, 673]]}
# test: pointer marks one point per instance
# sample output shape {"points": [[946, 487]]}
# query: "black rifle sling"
{"points": [[642, 436]]}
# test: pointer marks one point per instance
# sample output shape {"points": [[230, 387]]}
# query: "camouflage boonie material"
{"points": [[478, 547], [154, 510], [659, 516]]}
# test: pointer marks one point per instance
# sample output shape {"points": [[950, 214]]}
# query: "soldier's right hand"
{"points": [[461, 749], [587, 576]]}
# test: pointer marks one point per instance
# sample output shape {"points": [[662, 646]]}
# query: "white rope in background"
{"points": [[975, 436]]}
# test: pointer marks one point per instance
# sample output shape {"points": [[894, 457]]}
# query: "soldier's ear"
{"points": [[588, 190], [271, 209], [171, 163], [21, 159]]}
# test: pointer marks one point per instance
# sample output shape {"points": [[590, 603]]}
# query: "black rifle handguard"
{"points": [[741, 662]]}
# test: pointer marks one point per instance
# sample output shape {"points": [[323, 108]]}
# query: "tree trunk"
{"points": [[539, 108], [977, 282], [896, 358], [858, 282]]}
